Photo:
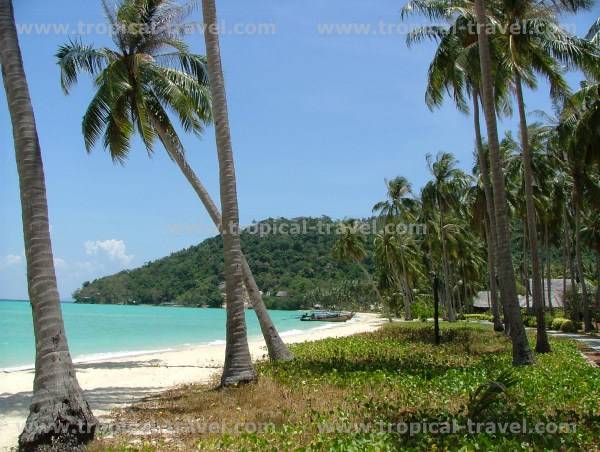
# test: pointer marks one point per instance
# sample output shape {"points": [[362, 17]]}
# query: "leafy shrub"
{"points": [[530, 321], [557, 322], [569, 327], [572, 302], [484, 317], [422, 308]]}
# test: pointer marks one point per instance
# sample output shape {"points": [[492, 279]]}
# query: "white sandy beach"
{"points": [[116, 382]]}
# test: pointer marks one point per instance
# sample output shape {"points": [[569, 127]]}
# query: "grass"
{"points": [[353, 393]]}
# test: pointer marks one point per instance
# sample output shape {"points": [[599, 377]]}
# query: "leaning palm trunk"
{"points": [[278, 351], [520, 345], [58, 412], [238, 363], [373, 286], [489, 204], [587, 321], [542, 344]]}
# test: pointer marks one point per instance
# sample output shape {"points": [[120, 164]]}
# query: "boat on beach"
{"points": [[327, 316]]}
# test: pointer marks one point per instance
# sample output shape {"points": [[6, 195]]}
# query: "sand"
{"points": [[117, 382]]}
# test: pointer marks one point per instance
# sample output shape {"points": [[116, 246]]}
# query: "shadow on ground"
{"points": [[100, 399]]}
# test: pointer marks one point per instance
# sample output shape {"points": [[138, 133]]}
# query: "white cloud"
{"points": [[115, 249], [11, 260]]}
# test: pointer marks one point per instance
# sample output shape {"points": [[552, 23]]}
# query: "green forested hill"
{"points": [[295, 263]]}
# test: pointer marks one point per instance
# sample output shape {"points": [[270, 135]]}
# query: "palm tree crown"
{"points": [[149, 72]]}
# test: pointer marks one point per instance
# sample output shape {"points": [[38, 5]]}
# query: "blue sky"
{"points": [[318, 122]]}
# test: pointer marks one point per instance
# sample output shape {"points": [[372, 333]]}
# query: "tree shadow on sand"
{"points": [[100, 399]]}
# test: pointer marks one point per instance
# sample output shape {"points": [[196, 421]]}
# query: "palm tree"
{"points": [[398, 207], [135, 80], [238, 363], [578, 138], [521, 351], [442, 194], [393, 253], [350, 247], [481, 217], [532, 167], [59, 412], [534, 41], [455, 70], [591, 234]]}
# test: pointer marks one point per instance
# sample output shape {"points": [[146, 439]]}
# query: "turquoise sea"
{"points": [[103, 331]]}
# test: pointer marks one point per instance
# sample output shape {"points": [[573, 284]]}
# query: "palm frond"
{"points": [[75, 57], [419, 34]]}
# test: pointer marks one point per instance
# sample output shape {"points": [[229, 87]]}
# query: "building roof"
{"points": [[482, 299]]}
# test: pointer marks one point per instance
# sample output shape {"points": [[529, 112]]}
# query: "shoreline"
{"points": [[115, 382], [95, 357]]}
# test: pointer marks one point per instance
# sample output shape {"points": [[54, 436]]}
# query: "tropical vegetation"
{"points": [[388, 390]]}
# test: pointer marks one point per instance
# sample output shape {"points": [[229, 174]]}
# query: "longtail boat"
{"points": [[327, 316]]}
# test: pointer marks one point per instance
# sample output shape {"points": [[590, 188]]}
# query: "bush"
{"points": [[557, 322], [569, 327], [530, 321], [485, 317], [422, 308], [564, 325]]}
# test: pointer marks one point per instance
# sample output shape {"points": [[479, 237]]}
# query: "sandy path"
{"points": [[117, 382]]}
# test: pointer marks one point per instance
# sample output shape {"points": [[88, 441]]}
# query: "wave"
{"points": [[112, 355], [326, 326], [93, 357], [8, 370], [291, 333]]}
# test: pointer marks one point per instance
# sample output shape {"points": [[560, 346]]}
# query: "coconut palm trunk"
{"points": [[597, 282], [521, 351], [574, 307], [436, 310], [278, 351], [526, 283], [587, 321], [548, 266], [406, 288], [493, 289], [564, 265], [542, 344], [238, 363], [445, 266], [490, 222], [58, 411], [373, 285], [402, 283], [543, 272]]}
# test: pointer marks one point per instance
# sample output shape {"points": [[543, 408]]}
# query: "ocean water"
{"points": [[102, 331]]}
